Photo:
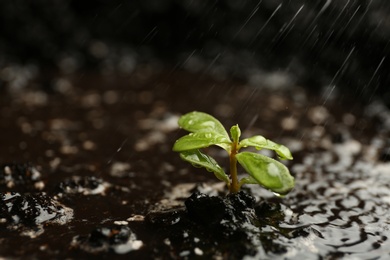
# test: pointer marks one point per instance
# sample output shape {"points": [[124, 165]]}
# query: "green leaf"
{"points": [[247, 180], [259, 142], [196, 158], [200, 140], [235, 133], [201, 122], [268, 172]]}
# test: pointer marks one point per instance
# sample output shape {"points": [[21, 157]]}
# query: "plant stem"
{"points": [[234, 186]]}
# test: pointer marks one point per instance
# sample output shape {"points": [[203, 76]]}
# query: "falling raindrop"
{"points": [[117, 151], [340, 70], [266, 22], [373, 75]]}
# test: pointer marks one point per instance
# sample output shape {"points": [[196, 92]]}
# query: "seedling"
{"points": [[207, 131]]}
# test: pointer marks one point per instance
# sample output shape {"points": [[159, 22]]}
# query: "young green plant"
{"points": [[205, 131]]}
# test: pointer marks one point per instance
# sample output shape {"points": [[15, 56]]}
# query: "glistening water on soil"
{"points": [[87, 171]]}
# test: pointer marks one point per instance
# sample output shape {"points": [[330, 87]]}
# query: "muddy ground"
{"points": [[87, 170]]}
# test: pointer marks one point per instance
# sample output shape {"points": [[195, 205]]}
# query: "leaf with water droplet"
{"points": [[268, 172], [201, 140], [259, 142], [201, 122], [248, 180], [195, 157]]}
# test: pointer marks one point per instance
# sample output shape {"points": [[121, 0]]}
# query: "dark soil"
{"points": [[87, 171]]}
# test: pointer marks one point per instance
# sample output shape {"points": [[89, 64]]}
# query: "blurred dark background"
{"points": [[322, 45]]}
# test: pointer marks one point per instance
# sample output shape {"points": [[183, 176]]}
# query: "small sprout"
{"points": [[205, 131]]}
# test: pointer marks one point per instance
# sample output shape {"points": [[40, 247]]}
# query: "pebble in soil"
{"points": [[30, 211], [86, 185], [23, 206], [115, 238], [20, 177]]}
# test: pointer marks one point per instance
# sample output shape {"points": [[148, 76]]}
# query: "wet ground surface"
{"points": [[87, 170]]}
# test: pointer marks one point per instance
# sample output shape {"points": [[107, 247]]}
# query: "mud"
{"points": [[95, 152]]}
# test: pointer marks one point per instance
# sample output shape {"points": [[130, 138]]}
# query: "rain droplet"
{"points": [[209, 124], [279, 195], [273, 170]]}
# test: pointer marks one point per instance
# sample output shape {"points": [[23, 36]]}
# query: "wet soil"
{"points": [[87, 171]]}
